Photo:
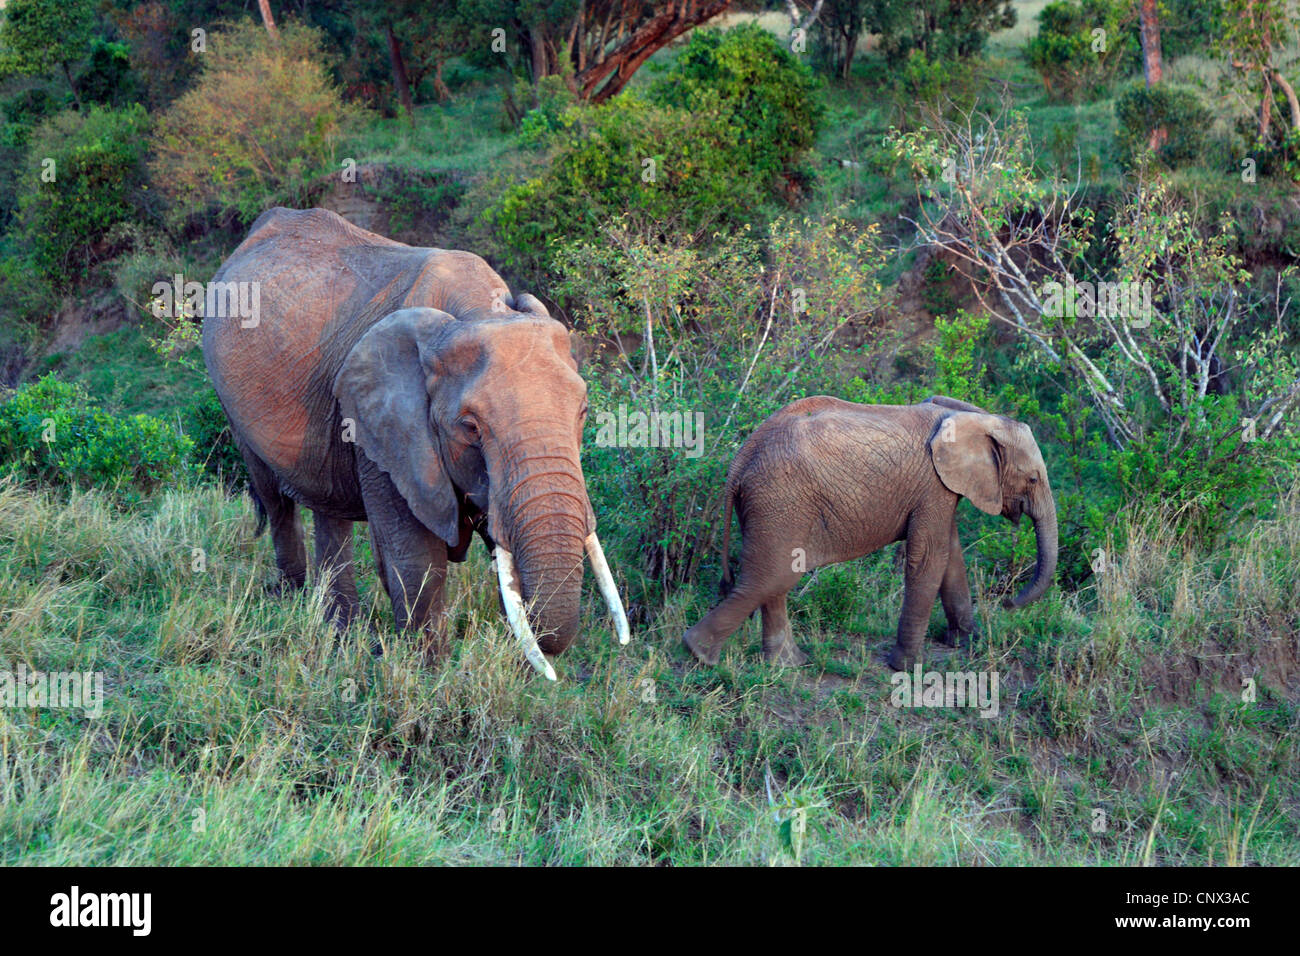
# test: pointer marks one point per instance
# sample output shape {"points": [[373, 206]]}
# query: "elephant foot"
{"points": [[954, 637], [787, 655], [703, 653], [900, 660]]}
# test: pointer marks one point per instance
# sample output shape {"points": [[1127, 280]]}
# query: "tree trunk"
{"points": [[1289, 91], [399, 74], [439, 85], [616, 69], [1152, 65], [267, 19], [76, 96]]}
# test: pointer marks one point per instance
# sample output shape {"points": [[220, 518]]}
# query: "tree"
{"points": [[264, 6], [1256, 33], [1146, 367], [841, 23], [597, 45], [38, 35], [1152, 68]]}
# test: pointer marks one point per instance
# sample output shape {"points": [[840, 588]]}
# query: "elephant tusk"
{"points": [[609, 590], [514, 603]]}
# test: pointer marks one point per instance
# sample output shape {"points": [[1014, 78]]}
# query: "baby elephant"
{"points": [[824, 481]]}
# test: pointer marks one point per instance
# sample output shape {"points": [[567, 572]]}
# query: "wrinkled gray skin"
{"points": [[824, 481], [465, 405]]}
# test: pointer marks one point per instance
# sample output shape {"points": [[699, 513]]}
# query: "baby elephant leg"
{"points": [[926, 564], [954, 592], [778, 645], [706, 638]]}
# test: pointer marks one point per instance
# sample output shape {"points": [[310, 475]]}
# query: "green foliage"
{"points": [[1179, 110], [109, 77], [935, 85], [1081, 45], [39, 36], [260, 122], [941, 29], [748, 80], [956, 371], [50, 432], [709, 148], [96, 180], [204, 422], [727, 335]]}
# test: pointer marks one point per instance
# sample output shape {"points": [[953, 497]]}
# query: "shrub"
{"points": [[261, 120], [50, 432], [706, 149], [941, 29], [749, 81], [728, 334], [1179, 109], [205, 423], [109, 77], [1081, 45], [98, 181], [650, 163]]}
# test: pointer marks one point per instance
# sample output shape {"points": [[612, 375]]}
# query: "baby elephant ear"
{"points": [[383, 388], [965, 455]]}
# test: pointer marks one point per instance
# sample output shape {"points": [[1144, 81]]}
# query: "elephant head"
{"points": [[995, 463], [479, 426]]}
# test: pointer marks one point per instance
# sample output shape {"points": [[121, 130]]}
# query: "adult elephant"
{"points": [[408, 388], [824, 481]]}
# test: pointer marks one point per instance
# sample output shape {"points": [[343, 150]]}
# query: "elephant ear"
{"points": [[526, 302], [383, 388], [965, 451], [955, 404]]}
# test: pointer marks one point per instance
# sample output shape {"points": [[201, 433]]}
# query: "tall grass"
{"points": [[240, 729]]}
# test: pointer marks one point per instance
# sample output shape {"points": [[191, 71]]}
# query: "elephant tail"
{"points": [[728, 505], [261, 512]]}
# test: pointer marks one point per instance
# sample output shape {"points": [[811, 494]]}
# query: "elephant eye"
{"points": [[1033, 479], [470, 426]]}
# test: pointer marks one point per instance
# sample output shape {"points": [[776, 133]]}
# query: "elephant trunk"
{"points": [[1044, 518], [550, 575], [548, 531]]}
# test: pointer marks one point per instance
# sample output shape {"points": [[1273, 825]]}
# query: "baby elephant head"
{"points": [[995, 462]]}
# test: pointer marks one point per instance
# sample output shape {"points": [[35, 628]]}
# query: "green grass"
{"points": [[125, 375], [239, 728]]}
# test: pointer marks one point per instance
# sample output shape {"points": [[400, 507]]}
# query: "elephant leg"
{"points": [[778, 644], [954, 592], [334, 557], [283, 517], [706, 638], [926, 563], [411, 560]]}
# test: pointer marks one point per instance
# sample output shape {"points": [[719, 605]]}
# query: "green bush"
{"points": [[205, 423], [50, 432], [259, 124], [109, 77], [1178, 109], [941, 29], [712, 143], [96, 179], [1081, 45], [751, 82]]}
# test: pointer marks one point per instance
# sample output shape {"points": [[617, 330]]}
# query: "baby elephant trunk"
{"points": [[1044, 518]]}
